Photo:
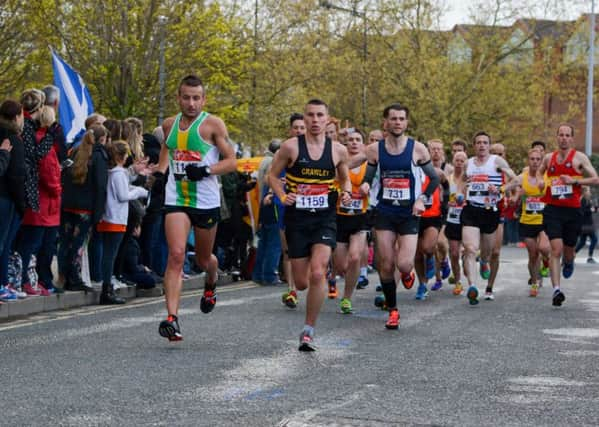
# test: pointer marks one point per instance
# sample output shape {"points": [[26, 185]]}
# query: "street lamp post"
{"points": [[588, 141], [360, 14], [161, 71]]}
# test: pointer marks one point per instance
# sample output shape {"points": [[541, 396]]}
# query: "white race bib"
{"points": [[396, 189], [312, 196]]}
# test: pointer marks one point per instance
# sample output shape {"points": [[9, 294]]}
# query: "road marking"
{"points": [[574, 332], [95, 309], [530, 390]]}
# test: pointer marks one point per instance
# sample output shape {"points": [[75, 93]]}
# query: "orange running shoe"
{"points": [[408, 279], [332, 289], [393, 322], [534, 290]]}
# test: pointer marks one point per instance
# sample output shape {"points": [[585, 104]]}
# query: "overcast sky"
{"points": [[459, 11]]}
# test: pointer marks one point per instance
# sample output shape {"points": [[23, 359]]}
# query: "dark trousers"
{"points": [[583, 239], [152, 242], [41, 242], [9, 225], [94, 256], [74, 229], [268, 254], [110, 249]]}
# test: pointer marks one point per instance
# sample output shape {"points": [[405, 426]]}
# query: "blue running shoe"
{"points": [[472, 295], [430, 267], [422, 292], [438, 285], [7, 295], [568, 269], [445, 269], [362, 282]]}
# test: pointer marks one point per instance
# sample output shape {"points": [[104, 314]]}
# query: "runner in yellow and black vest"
{"points": [[311, 162], [531, 190], [194, 144]]}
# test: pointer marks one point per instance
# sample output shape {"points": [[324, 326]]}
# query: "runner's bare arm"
{"points": [[503, 166], [514, 183], [343, 173], [283, 157], [544, 164], [220, 138], [163, 158]]}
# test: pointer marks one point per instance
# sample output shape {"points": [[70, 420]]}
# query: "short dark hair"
{"points": [[481, 133], [541, 143], [190, 80], [566, 125], [294, 117], [397, 107], [10, 109], [316, 101], [459, 142]]}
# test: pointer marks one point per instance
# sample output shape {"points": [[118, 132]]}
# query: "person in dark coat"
{"points": [[12, 187], [85, 185]]}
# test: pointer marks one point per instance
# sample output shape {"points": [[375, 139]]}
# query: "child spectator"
{"points": [[113, 225], [132, 268]]}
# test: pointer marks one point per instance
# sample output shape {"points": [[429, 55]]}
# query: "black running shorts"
{"points": [[453, 231], [426, 222], [399, 225], [487, 220], [350, 224], [562, 223], [200, 218], [530, 231], [303, 233]]}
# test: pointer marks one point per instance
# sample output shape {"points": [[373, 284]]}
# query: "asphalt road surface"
{"points": [[515, 361]]}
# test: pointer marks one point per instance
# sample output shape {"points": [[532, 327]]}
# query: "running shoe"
{"points": [[408, 279], [379, 301], [438, 285], [451, 280], [558, 298], [422, 292], [430, 267], [534, 290], [362, 282], [30, 290], [445, 269], [170, 329], [345, 305], [284, 296], [291, 299], [306, 342], [208, 301], [489, 296], [393, 321], [458, 289], [18, 292], [379, 288], [332, 288], [591, 261], [472, 295], [485, 270], [544, 270], [568, 269], [6, 294]]}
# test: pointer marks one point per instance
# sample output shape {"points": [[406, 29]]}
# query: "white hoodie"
{"points": [[118, 196]]}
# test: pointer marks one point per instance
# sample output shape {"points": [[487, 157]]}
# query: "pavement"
{"points": [[515, 361]]}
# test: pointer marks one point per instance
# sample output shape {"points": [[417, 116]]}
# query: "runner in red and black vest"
{"points": [[562, 217]]}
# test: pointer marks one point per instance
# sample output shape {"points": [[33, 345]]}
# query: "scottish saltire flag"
{"points": [[75, 103]]}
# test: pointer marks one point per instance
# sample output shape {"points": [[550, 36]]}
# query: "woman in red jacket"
{"points": [[39, 230]]}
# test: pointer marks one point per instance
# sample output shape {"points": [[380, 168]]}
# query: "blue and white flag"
{"points": [[75, 103]]}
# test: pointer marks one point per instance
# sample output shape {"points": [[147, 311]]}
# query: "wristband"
{"points": [[284, 198]]}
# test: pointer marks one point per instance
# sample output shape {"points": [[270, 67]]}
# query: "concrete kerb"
{"points": [[37, 304]]}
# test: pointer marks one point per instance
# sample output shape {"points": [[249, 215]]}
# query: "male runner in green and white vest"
{"points": [[195, 140]]}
